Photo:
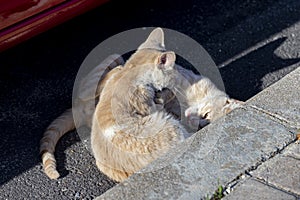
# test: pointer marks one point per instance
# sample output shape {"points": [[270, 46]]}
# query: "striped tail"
{"points": [[53, 133], [65, 122]]}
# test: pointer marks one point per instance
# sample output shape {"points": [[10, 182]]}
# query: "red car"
{"points": [[23, 19]]}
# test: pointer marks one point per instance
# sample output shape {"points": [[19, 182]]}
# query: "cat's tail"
{"points": [[65, 122], [53, 133]]}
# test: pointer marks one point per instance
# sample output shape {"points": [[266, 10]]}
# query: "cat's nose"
{"points": [[187, 113]]}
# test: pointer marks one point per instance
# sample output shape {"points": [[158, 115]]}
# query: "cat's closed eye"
{"points": [[205, 115]]}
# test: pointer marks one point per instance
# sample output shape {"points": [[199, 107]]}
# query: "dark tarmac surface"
{"points": [[37, 77]]}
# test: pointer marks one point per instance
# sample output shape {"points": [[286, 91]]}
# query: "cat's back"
{"points": [[103, 110]]}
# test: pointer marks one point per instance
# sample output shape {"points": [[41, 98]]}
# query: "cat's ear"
{"points": [[166, 60], [232, 104], [154, 41], [193, 89]]}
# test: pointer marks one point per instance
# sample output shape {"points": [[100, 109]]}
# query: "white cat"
{"points": [[198, 98]]}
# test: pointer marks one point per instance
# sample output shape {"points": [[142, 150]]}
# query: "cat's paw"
{"points": [[163, 96], [158, 100]]}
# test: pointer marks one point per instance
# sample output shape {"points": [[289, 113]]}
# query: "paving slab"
{"points": [[291, 47], [293, 150], [282, 171], [254, 190], [215, 155], [282, 99]]}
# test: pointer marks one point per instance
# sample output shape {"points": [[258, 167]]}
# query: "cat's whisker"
{"points": [[179, 92]]}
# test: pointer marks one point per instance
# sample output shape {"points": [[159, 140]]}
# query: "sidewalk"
{"points": [[252, 153]]}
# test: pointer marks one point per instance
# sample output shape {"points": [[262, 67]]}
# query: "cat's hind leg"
{"points": [[114, 174]]}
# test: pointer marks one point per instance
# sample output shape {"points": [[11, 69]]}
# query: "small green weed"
{"points": [[217, 195]]}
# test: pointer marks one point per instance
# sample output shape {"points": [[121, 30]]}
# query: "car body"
{"points": [[23, 19]]}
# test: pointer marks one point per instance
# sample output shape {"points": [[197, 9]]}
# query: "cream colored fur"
{"points": [[198, 100], [129, 130]]}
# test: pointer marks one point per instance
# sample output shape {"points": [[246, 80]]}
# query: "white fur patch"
{"points": [[109, 132]]}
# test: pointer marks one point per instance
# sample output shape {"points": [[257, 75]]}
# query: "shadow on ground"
{"points": [[245, 76]]}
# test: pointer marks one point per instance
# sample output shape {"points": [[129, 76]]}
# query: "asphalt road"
{"points": [[255, 43]]}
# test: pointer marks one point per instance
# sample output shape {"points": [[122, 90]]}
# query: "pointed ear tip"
{"points": [[155, 40], [235, 101], [238, 101], [170, 54], [158, 29], [173, 55]]}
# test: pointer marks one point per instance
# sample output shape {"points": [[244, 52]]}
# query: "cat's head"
{"points": [[210, 109], [152, 53]]}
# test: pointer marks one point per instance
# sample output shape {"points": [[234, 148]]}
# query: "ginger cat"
{"points": [[200, 101], [129, 130]]}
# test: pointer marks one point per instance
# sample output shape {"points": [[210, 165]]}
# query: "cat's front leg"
{"points": [[142, 100]]}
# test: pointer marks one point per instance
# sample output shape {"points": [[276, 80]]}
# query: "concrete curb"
{"points": [[234, 152]]}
